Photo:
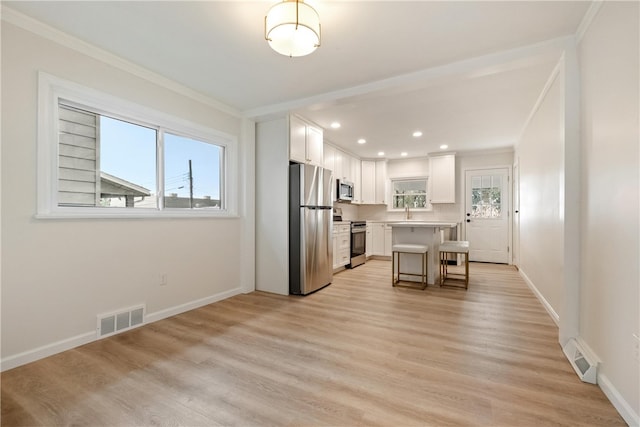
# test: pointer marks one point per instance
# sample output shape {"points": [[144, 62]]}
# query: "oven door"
{"points": [[358, 247], [358, 242]]}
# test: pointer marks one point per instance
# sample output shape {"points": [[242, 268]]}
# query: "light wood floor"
{"points": [[358, 352]]}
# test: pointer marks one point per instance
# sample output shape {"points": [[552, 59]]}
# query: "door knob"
{"points": [[468, 214], [468, 220], [517, 211]]}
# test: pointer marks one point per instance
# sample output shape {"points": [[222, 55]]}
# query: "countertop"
{"points": [[421, 224], [417, 223]]}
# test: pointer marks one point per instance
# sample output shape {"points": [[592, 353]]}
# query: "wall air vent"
{"points": [[120, 321], [585, 365]]}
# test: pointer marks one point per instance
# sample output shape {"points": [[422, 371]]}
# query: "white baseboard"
{"points": [[541, 298], [191, 305], [29, 356], [46, 351], [621, 405]]}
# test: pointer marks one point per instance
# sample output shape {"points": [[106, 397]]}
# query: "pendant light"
{"points": [[292, 28]]}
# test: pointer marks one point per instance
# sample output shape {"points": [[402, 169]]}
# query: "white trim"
{"points": [[192, 305], [552, 78], [29, 356], [487, 64], [51, 89], [622, 406], [27, 23], [587, 19], [541, 298]]}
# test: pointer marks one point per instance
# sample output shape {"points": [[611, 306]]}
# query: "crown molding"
{"points": [[588, 18], [34, 26]]}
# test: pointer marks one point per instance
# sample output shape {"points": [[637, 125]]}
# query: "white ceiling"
{"points": [[464, 73]]}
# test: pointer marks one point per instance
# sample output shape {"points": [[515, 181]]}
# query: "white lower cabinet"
{"points": [[381, 239], [368, 241], [387, 240], [341, 245], [377, 238]]}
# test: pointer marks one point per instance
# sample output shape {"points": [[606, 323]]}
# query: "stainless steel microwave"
{"points": [[344, 190]]}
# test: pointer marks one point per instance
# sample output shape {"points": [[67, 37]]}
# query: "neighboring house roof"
{"points": [[113, 186]]}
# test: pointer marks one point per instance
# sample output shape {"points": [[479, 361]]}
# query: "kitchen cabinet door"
{"points": [[346, 166], [442, 179], [377, 238], [356, 179], [336, 251], [315, 145], [329, 155], [297, 140], [368, 182], [388, 238], [368, 241], [381, 182]]}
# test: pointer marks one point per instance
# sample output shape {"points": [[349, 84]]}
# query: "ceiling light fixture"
{"points": [[444, 146], [335, 125], [362, 141], [292, 28], [380, 153], [417, 134], [404, 154]]}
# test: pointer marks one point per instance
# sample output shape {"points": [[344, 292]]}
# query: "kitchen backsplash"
{"points": [[441, 212]]}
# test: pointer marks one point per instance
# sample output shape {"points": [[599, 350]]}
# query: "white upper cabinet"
{"points": [[442, 178], [356, 179], [305, 142], [381, 182], [374, 182], [368, 181], [330, 159]]}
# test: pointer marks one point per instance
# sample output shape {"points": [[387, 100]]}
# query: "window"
{"points": [[409, 192], [486, 196], [96, 160]]}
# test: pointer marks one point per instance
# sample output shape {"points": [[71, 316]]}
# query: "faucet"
{"points": [[407, 213]]}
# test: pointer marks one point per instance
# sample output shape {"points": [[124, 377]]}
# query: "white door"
{"points": [[516, 215], [487, 215]]}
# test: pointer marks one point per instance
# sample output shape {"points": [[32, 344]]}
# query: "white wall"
{"points": [[272, 206], [609, 298], [540, 154], [58, 275]]}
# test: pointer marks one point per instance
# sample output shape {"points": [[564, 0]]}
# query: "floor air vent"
{"points": [[120, 321], [585, 366]]}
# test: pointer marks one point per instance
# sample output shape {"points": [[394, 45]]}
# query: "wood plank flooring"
{"points": [[358, 352]]}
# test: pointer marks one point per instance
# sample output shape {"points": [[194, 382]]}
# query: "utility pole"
{"points": [[190, 185]]}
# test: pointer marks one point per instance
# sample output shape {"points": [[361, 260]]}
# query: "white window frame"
{"points": [[52, 89], [427, 208]]}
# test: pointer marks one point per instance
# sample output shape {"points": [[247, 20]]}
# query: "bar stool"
{"points": [[455, 247], [395, 263]]}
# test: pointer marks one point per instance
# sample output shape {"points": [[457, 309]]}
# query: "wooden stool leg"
{"points": [[393, 269], [466, 270]]}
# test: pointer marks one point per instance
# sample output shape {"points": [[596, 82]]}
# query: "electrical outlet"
{"points": [[636, 347], [163, 279]]}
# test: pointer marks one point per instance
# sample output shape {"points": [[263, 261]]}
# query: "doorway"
{"points": [[487, 214]]}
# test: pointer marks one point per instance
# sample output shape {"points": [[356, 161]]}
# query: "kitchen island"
{"points": [[422, 233]]}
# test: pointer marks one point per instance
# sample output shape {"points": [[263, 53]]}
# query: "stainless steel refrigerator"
{"points": [[310, 228]]}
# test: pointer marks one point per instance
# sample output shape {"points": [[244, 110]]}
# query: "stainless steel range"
{"points": [[358, 243]]}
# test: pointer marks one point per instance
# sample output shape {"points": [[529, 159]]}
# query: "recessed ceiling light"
{"points": [[417, 134], [403, 154], [380, 153], [444, 146], [335, 125], [362, 141]]}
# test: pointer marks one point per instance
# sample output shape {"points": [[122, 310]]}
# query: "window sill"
{"points": [[126, 214]]}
